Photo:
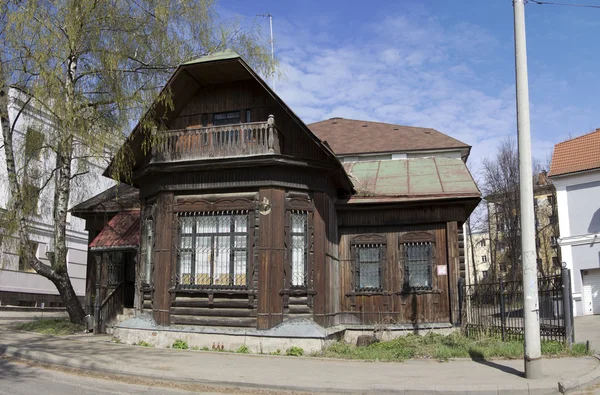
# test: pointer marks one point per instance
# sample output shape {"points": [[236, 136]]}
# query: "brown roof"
{"points": [[349, 136], [579, 154], [121, 232]]}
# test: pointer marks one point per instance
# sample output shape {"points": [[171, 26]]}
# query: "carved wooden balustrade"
{"points": [[254, 138]]}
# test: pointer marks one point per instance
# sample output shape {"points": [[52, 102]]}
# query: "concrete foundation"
{"points": [[301, 333]]}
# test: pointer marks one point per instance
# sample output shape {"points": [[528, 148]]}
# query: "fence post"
{"points": [[502, 310], [461, 297], [567, 305]]}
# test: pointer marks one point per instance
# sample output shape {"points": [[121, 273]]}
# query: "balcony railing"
{"points": [[256, 138]]}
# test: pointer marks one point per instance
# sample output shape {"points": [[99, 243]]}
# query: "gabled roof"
{"points": [[118, 198], [220, 67], [349, 136], [121, 232], [575, 155], [411, 180]]}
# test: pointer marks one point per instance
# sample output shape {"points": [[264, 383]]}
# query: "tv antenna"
{"points": [[267, 15]]}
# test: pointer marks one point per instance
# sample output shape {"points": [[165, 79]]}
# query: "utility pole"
{"points": [[533, 352], [267, 15]]}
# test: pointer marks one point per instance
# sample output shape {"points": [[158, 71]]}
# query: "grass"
{"points": [[435, 346], [51, 326]]}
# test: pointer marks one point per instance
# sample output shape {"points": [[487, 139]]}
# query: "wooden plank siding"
{"points": [[393, 304], [241, 96], [164, 254]]}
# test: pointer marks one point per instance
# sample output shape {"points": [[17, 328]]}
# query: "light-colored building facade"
{"points": [[19, 284], [477, 256], [504, 230], [575, 172]]}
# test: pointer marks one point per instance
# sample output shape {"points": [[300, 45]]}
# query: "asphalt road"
{"points": [[23, 379]]}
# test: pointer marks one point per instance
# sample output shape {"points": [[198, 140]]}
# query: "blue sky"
{"points": [[446, 64]]}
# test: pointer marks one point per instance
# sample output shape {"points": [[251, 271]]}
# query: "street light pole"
{"points": [[533, 357]]}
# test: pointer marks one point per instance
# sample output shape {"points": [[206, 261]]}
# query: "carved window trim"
{"points": [[420, 241], [368, 241]]}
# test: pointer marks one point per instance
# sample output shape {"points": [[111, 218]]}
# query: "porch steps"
{"points": [[126, 314]]}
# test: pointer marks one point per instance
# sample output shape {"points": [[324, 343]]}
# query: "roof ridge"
{"points": [[579, 137]]}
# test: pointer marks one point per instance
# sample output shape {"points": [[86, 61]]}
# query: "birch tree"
{"points": [[94, 66]]}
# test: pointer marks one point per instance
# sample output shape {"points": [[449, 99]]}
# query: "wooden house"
{"points": [[248, 218]]}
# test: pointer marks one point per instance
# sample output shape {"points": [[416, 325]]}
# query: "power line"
{"points": [[565, 4]]}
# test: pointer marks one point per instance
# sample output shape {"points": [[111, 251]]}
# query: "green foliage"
{"points": [[57, 326], [142, 343], [243, 350], [180, 345], [205, 348], [444, 348], [276, 352], [294, 351]]}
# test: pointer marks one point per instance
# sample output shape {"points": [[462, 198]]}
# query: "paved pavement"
{"points": [[23, 379], [99, 354], [587, 327]]}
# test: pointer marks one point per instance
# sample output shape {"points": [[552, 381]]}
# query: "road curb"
{"points": [[591, 378], [166, 377]]}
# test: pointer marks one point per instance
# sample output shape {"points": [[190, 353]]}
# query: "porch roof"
{"points": [[121, 232], [415, 179]]}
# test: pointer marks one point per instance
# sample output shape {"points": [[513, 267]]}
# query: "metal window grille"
{"points": [[368, 267], [213, 249], [299, 220], [418, 265], [115, 268]]}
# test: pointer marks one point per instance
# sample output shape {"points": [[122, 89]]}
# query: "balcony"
{"points": [[255, 138]]}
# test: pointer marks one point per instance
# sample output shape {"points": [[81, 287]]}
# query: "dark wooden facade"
{"points": [[293, 177]]}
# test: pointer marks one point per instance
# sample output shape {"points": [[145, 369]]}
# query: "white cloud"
{"points": [[414, 70]]}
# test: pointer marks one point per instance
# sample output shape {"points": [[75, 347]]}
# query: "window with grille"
{"points": [[368, 266], [149, 249], [213, 249], [299, 237], [226, 118], [418, 265]]}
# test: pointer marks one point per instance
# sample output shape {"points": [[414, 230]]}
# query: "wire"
{"points": [[565, 4]]}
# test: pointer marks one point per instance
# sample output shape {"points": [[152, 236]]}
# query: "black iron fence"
{"points": [[496, 309]]}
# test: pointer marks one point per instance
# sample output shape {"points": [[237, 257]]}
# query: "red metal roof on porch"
{"points": [[121, 232]]}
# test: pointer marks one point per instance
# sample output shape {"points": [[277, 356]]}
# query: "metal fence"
{"points": [[496, 309]]}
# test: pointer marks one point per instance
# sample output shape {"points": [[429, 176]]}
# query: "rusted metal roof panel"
{"points": [[411, 179], [121, 232]]}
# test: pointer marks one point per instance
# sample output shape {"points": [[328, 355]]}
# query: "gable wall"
{"points": [[240, 96]]}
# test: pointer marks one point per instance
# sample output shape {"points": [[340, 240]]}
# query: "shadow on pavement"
{"points": [[479, 358], [14, 371]]}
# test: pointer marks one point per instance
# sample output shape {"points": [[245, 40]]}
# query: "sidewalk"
{"points": [[99, 354]]}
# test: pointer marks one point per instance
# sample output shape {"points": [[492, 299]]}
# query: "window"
{"points": [[552, 219], [484, 258], [482, 243], [213, 249], [248, 115], [23, 264], [204, 120], [299, 251], [484, 273], [418, 263], [502, 267], [34, 141], [226, 118], [550, 200], [368, 267], [555, 262], [31, 195], [553, 241]]}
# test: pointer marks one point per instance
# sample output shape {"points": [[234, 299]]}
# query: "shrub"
{"points": [[180, 345], [277, 352], [294, 351], [143, 344], [243, 350]]}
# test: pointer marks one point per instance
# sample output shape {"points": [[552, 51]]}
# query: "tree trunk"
{"points": [[57, 274]]}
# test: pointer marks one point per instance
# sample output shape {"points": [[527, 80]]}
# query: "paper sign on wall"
{"points": [[442, 270]]}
